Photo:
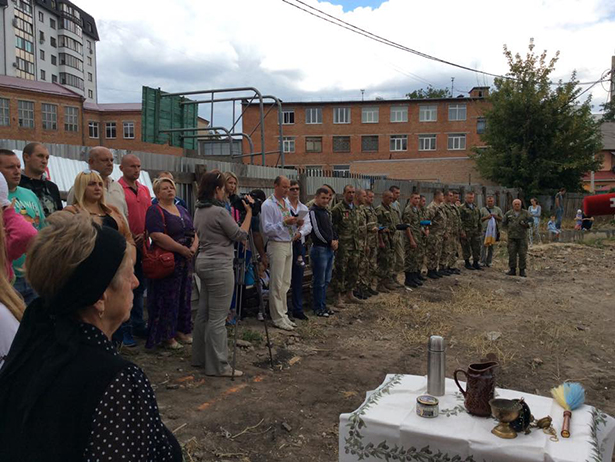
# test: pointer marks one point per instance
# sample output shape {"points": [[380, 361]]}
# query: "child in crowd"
{"points": [[553, 231], [578, 220]]}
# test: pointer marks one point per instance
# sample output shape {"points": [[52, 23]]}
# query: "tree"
{"points": [[429, 92], [609, 112], [539, 137]]}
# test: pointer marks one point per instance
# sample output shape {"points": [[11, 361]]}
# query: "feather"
{"points": [[559, 396], [575, 395]]}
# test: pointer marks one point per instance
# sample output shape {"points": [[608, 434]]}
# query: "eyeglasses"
{"points": [[294, 189]]}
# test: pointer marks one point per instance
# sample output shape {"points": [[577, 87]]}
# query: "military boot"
{"points": [[382, 288], [350, 298], [432, 274], [409, 282], [468, 265], [512, 272], [476, 266], [443, 272], [421, 277], [453, 270], [522, 273], [417, 280]]}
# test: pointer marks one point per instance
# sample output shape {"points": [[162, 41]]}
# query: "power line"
{"points": [[365, 33]]}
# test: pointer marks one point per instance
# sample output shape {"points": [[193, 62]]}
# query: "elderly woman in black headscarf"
{"points": [[65, 393]]}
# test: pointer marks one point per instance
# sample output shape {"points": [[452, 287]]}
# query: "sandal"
{"points": [[174, 345], [184, 338]]}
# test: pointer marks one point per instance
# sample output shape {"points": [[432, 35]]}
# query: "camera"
{"points": [[237, 203]]}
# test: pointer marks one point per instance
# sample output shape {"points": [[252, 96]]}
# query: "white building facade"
{"points": [[51, 41]]}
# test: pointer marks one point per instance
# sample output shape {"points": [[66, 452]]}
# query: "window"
{"points": [[71, 119], [399, 113], [93, 129], [110, 130], [25, 114], [52, 42], [71, 61], [5, 119], [70, 43], [52, 23], [24, 5], [456, 142], [90, 77], [90, 94], [24, 44], [71, 25], [288, 144], [54, 60], [427, 142], [481, 125], [313, 115], [54, 78], [428, 113], [50, 116], [25, 66], [89, 60], [369, 143], [43, 74], [89, 44], [41, 16], [341, 171], [369, 115], [341, 144], [129, 130], [71, 80], [341, 115], [41, 36], [288, 117], [313, 144], [399, 143], [456, 112], [24, 26], [41, 54]]}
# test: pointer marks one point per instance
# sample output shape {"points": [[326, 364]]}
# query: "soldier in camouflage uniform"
{"points": [[424, 234], [413, 242], [386, 251], [451, 244], [437, 233], [399, 238], [471, 231], [359, 201], [517, 221], [344, 217], [369, 267]]}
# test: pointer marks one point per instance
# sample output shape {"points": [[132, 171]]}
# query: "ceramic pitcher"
{"points": [[480, 387]]}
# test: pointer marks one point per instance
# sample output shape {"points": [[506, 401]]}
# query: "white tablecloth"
{"points": [[385, 427]]}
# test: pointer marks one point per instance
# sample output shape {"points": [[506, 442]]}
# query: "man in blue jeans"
{"points": [[297, 209], [559, 208], [324, 244]]}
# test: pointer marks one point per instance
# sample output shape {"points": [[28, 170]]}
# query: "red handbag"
{"points": [[158, 263]]}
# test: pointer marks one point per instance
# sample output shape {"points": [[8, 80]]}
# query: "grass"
{"points": [[251, 336], [597, 242]]}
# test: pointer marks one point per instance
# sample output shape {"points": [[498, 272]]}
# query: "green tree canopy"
{"points": [[429, 92], [609, 111], [539, 137]]}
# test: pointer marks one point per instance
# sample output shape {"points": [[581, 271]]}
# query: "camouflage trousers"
{"points": [[386, 269], [453, 251], [413, 258], [346, 269], [399, 252], [517, 248], [433, 251], [368, 266], [471, 247]]}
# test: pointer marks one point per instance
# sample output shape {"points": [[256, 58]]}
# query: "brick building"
{"points": [[427, 139], [604, 179], [51, 113]]}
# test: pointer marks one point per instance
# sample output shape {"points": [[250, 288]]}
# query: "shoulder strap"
{"points": [[164, 221]]}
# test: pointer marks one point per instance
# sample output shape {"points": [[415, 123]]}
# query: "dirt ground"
{"points": [[555, 325]]}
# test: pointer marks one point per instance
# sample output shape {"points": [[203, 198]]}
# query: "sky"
{"points": [[185, 45]]}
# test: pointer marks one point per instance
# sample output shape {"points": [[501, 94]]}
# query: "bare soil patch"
{"points": [[555, 325]]}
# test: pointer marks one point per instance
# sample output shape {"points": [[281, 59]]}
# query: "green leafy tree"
{"points": [[429, 92], [539, 137], [609, 112]]}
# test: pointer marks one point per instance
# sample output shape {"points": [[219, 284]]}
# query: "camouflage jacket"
{"points": [[362, 225], [435, 213], [412, 217], [372, 222], [517, 225], [346, 224], [387, 217], [470, 220], [453, 219]]}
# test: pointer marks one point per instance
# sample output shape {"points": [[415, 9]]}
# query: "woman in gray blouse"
{"points": [[217, 233]]}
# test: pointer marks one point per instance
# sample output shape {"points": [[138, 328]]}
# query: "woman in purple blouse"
{"points": [[168, 300]]}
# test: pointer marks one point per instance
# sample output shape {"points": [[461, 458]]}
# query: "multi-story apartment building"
{"points": [[53, 113], [49, 41], [428, 139]]}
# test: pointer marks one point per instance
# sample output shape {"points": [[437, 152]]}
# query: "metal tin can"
{"points": [[427, 406]]}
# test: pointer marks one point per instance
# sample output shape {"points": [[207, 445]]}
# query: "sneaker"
{"points": [[322, 313], [301, 316], [330, 312], [283, 326], [260, 317], [128, 340], [292, 323]]}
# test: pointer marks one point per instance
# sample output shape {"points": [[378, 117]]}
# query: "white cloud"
{"points": [[268, 44]]}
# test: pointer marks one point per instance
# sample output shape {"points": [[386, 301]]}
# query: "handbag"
{"points": [[158, 263]]}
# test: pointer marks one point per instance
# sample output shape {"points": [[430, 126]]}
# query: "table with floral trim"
{"points": [[386, 428]]}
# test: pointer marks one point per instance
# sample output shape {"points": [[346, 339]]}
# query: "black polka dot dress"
{"points": [[126, 424]]}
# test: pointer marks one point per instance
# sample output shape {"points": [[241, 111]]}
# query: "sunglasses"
{"points": [[294, 189]]}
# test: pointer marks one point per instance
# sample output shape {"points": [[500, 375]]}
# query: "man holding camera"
{"points": [[278, 226], [517, 221]]}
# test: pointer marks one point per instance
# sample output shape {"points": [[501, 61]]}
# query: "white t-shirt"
{"points": [[8, 329]]}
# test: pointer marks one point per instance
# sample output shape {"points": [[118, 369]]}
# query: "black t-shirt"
{"points": [[47, 192]]}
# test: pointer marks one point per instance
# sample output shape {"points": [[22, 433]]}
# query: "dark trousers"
{"points": [[136, 323], [321, 262], [296, 281]]}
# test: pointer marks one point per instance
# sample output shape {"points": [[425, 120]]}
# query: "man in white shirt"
{"points": [[297, 209], [279, 226]]}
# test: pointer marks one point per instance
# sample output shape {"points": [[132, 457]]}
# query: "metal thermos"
{"points": [[436, 365]]}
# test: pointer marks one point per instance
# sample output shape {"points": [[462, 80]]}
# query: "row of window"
{"points": [[111, 130], [371, 115], [41, 18], [71, 61], [370, 143], [76, 65], [49, 118], [24, 25]]}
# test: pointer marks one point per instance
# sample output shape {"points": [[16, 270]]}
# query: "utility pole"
{"points": [[362, 95], [452, 87], [613, 78]]}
